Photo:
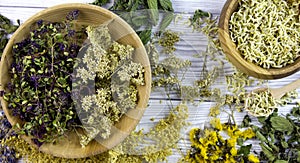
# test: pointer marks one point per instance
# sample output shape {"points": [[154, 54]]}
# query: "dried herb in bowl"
{"points": [[266, 32], [108, 72], [40, 87], [49, 89]]}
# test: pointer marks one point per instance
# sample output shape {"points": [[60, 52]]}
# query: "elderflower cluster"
{"points": [[116, 77]]}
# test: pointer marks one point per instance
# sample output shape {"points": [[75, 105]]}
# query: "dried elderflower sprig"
{"points": [[266, 32], [154, 146], [167, 41], [108, 66]]}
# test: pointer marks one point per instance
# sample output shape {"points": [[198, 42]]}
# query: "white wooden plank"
{"points": [[39, 3]]}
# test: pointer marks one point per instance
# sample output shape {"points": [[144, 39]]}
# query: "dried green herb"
{"points": [[142, 15], [282, 124], [166, 5], [40, 87], [154, 14], [100, 2], [166, 20], [145, 36], [279, 137]]}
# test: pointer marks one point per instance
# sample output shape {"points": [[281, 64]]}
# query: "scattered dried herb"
{"points": [[267, 32], [168, 41], [279, 137], [260, 103], [153, 146]]}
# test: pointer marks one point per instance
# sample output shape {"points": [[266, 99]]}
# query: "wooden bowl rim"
{"points": [[132, 117], [235, 56]]}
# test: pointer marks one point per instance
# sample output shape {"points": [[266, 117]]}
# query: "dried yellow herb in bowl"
{"points": [[260, 37]]}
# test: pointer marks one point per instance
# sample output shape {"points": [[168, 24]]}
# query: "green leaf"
{"points": [[245, 150], [240, 141], [139, 21], [267, 151], [166, 21], [282, 124], [166, 5], [154, 15], [145, 36], [100, 2], [284, 144]]}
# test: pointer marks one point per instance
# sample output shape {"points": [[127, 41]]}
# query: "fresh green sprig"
{"points": [[6, 28]]}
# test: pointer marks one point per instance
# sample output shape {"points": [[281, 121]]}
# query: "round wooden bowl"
{"points": [[69, 146], [234, 56]]}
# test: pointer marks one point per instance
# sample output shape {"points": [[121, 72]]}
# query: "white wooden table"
{"points": [[191, 43]]}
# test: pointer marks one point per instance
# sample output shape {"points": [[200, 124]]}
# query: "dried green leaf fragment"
{"points": [[282, 124]]}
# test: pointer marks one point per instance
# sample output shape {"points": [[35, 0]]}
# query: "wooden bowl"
{"points": [[234, 56], [69, 146]]}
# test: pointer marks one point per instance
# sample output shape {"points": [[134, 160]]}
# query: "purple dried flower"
{"points": [[39, 22], [71, 33], [73, 15], [2, 93], [37, 142]]}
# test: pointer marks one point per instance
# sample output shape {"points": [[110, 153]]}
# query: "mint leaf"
{"points": [[282, 124], [166, 5]]}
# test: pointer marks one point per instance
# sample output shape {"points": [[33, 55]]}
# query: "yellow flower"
{"points": [[229, 159], [214, 111], [204, 152], [213, 137], [248, 134], [214, 157], [253, 158], [231, 129], [193, 134], [233, 151], [231, 142], [216, 123]]}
